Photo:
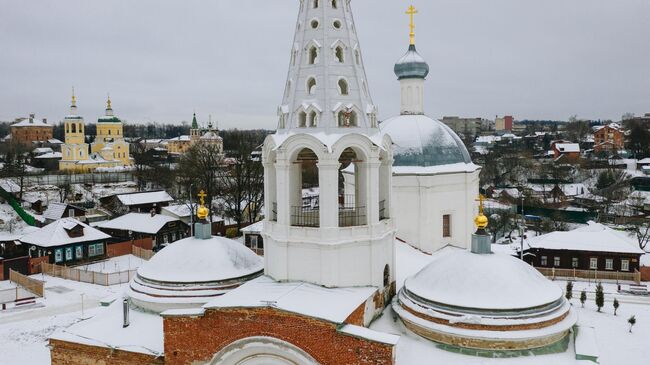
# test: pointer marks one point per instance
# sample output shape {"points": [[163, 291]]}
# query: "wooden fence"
{"points": [[86, 276], [34, 286], [590, 274], [142, 253]]}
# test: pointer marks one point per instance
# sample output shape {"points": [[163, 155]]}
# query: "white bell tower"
{"points": [[316, 230]]}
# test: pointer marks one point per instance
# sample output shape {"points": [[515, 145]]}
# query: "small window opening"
{"points": [[334, 4], [315, 4], [313, 55], [343, 87], [313, 119], [347, 118], [314, 24], [337, 24], [302, 119], [357, 56], [339, 54], [311, 86]]}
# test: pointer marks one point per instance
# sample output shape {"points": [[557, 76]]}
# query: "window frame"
{"points": [[58, 255], [446, 226], [575, 262], [593, 263], [625, 265], [544, 261], [609, 264], [557, 261]]}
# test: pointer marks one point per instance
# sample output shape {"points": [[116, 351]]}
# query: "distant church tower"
{"points": [[314, 231], [195, 131], [75, 147]]}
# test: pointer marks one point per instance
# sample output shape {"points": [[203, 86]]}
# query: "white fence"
{"points": [[86, 276]]}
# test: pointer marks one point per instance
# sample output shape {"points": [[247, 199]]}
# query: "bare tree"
{"points": [[641, 230], [200, 166]]}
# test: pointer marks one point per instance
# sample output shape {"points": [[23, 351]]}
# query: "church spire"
{"points": [[109, 109], [73, 104], [327, 88], [411, 71], [195, 124]]}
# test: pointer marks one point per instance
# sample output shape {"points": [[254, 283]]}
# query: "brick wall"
{"points": [[35, 264], [68, 353], [189, 340]]}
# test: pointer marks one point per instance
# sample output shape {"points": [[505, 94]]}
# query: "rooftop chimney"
{"points": [[45, 120], [31, 118]]}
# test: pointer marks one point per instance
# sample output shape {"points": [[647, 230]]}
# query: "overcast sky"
{"points": [[160, 60]]}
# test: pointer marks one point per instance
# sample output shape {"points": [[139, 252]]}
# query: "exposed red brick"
{"points": [[190, 339], [68, 353]]}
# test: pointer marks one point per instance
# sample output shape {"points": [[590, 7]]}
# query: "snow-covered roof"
{"points": [[193, 260], [178, 210], [56, 234], [9, 186], [254, 228], [25, 122], [138, 222], [55, 211], [330, 304], [50, 155], [593, 237], [143, 335], [54, 141], [183, 138], [145, 198], [41, 150], [567, 147], [460, 278]]}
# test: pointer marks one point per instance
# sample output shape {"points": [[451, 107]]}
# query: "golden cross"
{"points": [[74, 99], [202, 196], [411, 12], [480, 199], [108, 102]]}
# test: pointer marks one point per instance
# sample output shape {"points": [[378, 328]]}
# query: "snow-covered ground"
{"points": [[24, 332], [114, 264]]}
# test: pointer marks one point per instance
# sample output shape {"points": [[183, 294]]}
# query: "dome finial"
{"points": [[202, 212], [74, 99], [411, 12], [481, 220]]}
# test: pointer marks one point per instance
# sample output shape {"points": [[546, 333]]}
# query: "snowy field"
{"points": [[114, 264], [24, 332]]}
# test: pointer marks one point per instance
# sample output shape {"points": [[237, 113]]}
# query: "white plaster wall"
{"points": [[412, 96], [419, 203]]}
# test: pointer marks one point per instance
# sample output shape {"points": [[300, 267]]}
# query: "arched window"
{"points": [[81, 153], [313, 119], [315, 4], [334, 4], [74, 128], [386, 276], [109, 132], [338, 52], [311, 86], [347, 118], [343, 87], [302, 119], [357, 57], [313, 55]]}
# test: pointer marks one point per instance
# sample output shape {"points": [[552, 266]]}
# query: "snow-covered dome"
{"points": [[189, 272], [210, 135], [422, 141], [488, 282], [411, 65], [484, 302]]}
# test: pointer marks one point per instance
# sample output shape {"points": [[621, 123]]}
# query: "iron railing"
{"points": [[350, 214], [305, 217]]}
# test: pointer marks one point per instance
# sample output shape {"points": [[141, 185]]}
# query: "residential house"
{"points": [[56, 211], [160, 228], [609, 138], [594, 247], [67, 242], [136, 202], [565, 151]]}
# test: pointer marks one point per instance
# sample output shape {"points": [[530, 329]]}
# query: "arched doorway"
{"points": [[262, 351]]}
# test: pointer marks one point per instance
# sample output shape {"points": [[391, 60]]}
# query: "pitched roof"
{"points": [[145, 198], [55, 234], [594, 237], [56, 210], [138, 222], [25, 122], [567, 147]]}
